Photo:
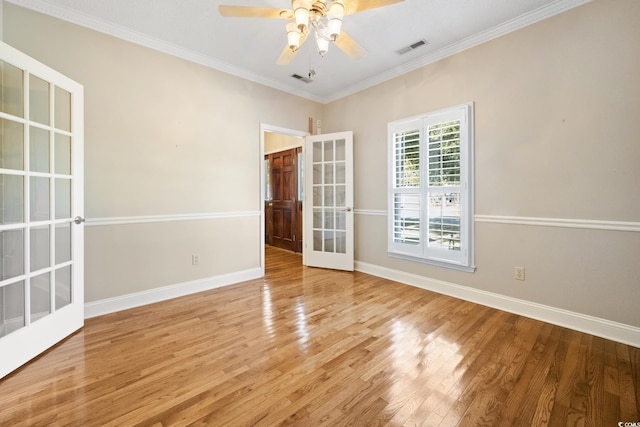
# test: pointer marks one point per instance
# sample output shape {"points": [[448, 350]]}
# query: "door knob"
{"points": [[78, 220]]}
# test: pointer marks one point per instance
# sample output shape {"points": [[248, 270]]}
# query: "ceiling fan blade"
{"points": [[287, 54], [254, 12], [355, 6], [350, 46]]}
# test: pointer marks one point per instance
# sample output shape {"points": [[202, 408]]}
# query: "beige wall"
{"points": [[163, 136], [556, 111], [556, 136]]}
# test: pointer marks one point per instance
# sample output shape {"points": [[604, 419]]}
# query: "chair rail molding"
{"points": [[90, 222], [561, 222]]}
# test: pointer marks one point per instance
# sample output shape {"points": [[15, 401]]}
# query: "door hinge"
{"points": [[294, 237]]}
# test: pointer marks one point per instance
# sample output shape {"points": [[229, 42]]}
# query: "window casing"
{"points": [[431, 189]]}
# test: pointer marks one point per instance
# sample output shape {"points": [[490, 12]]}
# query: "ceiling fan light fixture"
{"points": [[321, 17]]}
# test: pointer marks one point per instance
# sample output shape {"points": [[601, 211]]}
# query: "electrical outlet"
{"points": [[195, 259], [518, 273]]}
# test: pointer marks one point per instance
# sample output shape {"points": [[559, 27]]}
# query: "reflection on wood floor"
{"points": [[308, 347]]}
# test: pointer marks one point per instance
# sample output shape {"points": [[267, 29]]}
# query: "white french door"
{"points": [[328, 201], [41, 208]]}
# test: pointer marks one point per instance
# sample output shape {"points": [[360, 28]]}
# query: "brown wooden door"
{"points": [[281, 212]]}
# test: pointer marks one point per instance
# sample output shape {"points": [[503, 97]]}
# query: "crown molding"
{"points": [[522, 21], [120, 32], [141, 39]]}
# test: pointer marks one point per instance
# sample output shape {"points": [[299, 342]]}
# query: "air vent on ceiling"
{"points": [[412, 46], [301, 78]]}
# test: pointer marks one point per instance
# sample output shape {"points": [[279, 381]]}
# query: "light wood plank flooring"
{"points": [[309, 347]]}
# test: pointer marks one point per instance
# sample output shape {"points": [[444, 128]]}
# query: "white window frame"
{"points": [[462, 259]]}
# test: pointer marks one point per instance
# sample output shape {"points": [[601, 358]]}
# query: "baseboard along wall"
{"points": [[592, 325], [603, 328]]}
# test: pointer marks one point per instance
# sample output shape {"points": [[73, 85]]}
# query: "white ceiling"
{"points": [[249, 47]]}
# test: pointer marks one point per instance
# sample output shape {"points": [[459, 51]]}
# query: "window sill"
{"points": [[433, 262]]}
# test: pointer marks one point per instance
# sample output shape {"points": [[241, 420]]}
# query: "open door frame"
{"points": [[284, 131]]}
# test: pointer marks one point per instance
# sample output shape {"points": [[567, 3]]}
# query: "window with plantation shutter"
{"points": [[430, 188]]}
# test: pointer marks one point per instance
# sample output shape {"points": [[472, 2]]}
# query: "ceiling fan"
{"points": [[322, 17]]}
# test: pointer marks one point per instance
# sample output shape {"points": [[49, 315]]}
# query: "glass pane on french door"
{"points": [[39, 194], [329, 189], [35, 197]]}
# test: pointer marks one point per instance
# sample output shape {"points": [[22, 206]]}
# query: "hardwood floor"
{"points": [[309, 347]]}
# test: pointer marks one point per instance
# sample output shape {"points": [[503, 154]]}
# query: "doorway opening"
{"points": [[281, 184], [283, 194]]}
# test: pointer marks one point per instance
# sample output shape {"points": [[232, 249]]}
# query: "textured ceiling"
{"points": [[249, 47]]}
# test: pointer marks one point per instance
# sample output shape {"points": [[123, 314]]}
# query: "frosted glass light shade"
{"points": [[293, 36], [334, 16], [334, 26], [322, 44], [301, 15], [336, 10]]}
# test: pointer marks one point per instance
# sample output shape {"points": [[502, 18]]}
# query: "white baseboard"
{"points": [[580, 322], [111, 305]]}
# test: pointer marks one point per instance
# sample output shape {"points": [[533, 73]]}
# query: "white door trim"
{"points": [[284, 131]]}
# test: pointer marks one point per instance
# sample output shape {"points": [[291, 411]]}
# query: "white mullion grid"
{"points": [[9, 227], [27, 202], [42, 223], [321, 185], [63, 132], [13, 118], [40, 174], [12, 172], [73, 195], [60, 175], [63, 264], [12, 280], [3, 171], [52, 198], [319, 162], [333, 205], [41, 271], [38, 125]]}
